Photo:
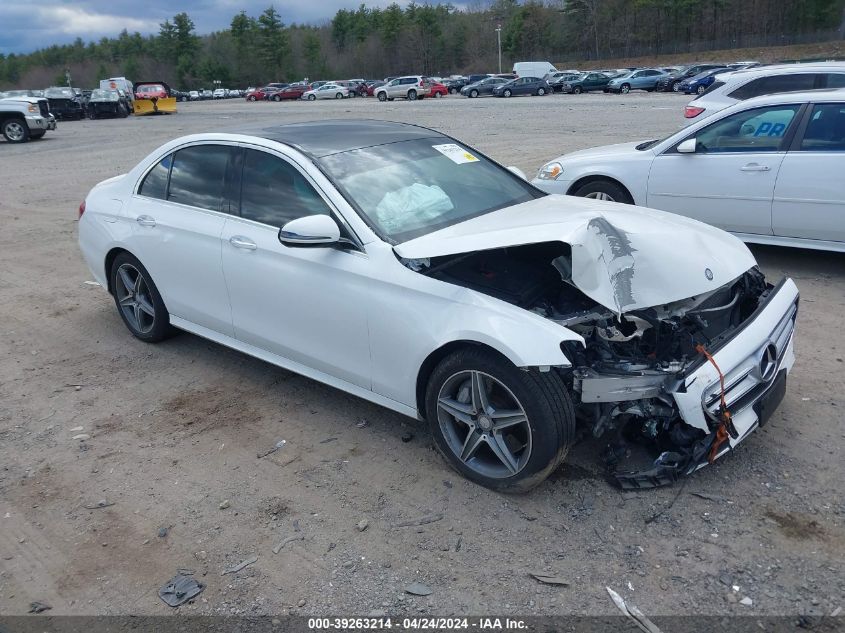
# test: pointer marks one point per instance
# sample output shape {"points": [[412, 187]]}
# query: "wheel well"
{"points": [[110, 257], [575, 186], [434, 358]]}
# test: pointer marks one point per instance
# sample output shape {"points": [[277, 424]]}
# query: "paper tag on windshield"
{"points": [[455, 153]]}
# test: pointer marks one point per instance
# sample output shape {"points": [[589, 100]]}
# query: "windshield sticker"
{"points": [[455, 153]]}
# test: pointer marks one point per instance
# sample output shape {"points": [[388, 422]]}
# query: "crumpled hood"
{"points": [[623, 257]]}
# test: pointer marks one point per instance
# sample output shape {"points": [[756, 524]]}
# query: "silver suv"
{"points": [[731, 87], [412, 87]]}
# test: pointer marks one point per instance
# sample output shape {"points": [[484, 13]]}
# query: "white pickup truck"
{"points": [[25, 118]]}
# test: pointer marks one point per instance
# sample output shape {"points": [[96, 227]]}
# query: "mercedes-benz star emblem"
{"points": [[709, 274]]}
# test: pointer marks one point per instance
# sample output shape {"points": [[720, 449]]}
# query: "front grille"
{"points": [[43, 108], [746, 382]]}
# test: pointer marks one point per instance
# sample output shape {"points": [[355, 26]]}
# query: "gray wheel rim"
{"points": [[600, 195], [133, 296], [484, 424], [15, 131], [625, 89]]}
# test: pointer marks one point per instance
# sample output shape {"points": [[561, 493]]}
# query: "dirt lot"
{"points": [[173, 431]]}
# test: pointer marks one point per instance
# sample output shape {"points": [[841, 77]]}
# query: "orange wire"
{"points": [[724, 414]]}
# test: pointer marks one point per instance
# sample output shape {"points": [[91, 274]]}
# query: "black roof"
{"points": [[322, 138]]}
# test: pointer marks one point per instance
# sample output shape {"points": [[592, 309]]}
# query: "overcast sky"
{"points": [[26, 25]]}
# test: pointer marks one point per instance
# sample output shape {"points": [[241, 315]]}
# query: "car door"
{"points": [[809, 200], [729, 180], [594, 81], [307, 304], [179, 211]]}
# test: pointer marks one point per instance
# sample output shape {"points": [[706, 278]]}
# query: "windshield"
{"points": [[104, 95], [411, 188], [60, 92]]}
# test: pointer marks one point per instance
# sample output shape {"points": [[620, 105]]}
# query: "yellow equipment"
{"points": [[154, 105]]}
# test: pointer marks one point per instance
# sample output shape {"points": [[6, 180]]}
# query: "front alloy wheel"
{"points": [[496, 424], [16, 131], [625, 89]]}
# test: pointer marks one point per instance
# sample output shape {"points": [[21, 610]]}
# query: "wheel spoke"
{"points": [[127, 301], [504, 418], [458, 410], [126, 280], [145, 305], [480, 401], [471, 443], [136, 311], [139, 284], [497, 444]]}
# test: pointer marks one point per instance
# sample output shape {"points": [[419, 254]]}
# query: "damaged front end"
{"points": [[683, 381]]}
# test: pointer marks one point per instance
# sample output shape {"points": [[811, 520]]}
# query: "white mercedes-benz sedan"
{"points": [[766, 169], [404, 267]]}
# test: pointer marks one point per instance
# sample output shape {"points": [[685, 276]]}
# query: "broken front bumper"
{"points": [[755, 362]]}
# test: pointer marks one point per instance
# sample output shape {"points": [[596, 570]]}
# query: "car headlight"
{"points": [[550, 171]]}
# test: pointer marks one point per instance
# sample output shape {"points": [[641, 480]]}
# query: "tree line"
{"points": [[422, 38]]}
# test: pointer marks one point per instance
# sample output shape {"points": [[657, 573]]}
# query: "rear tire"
{"points": [[276, 98], [339, 95], [577, 90], [438, 95], [604, 190], [541, 92], [136, 299], [412, 95], [533, 446]]}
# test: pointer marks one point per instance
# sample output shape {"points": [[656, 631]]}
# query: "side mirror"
{"points": [[518, 172], [309, 231], [688, 146]]}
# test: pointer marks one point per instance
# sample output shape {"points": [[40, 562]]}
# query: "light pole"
{"points": [[499, 45]]}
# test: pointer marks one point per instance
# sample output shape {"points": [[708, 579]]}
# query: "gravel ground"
{"points": [[172, 433]]}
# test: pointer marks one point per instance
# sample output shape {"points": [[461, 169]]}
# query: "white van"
{"points": [[533, 69]]}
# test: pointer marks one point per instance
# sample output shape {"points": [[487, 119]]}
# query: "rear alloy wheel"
{"points": [[502, 427], [251, 98], [604, 190], [625, 89], [701, 90], [412, 95], [382, 96], [676, 87], [473, 93], [138, 300], [541, 92], [339, 95], [16, 130], [507, 92], [312, 97]]}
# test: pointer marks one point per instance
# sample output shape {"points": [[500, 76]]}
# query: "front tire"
{"points": [[507, 93], [312, 97], [625, 89], [577, 90], [606, 190], [138, 301], [701, 90], [473, 93], [382, 96], [16, 130], [438, 95], [499, 426]]}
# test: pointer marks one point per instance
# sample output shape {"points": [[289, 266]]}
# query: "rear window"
{"points": [[834, 80], [154, 184], [791, 82]]}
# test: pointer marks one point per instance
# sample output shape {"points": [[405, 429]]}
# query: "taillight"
{"points": [[690, 112], [82, 208]]}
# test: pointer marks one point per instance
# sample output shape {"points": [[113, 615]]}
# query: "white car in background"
{"points": [[769, 169], [730, 88], [402, 266], [326, 91]]}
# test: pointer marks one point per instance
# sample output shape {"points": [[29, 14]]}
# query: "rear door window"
{"points": [[833, 80], [826, 129], [198, 175]]}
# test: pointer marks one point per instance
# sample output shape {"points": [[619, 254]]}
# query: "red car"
{"points": [[371, 87], [438, 90], [291, 92], [261, 94], [150, 91]]}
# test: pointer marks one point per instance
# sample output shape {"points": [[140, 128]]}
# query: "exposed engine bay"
{"points": [[623, 375]]}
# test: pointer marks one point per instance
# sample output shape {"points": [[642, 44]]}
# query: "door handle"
{"points": [[755, 167], [145, 220], [239, 241]]}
